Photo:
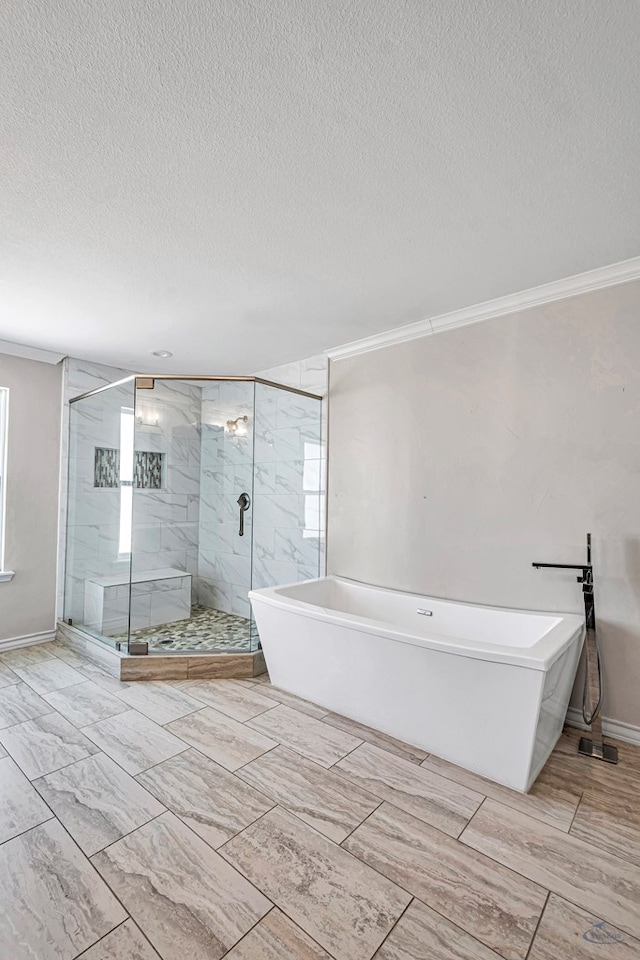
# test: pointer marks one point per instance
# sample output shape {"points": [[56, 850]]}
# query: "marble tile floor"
{"points": [[207, 630], [229, 819]]}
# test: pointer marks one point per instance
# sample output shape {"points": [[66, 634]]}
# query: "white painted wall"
{"points": [[458, 459], [27, 603]]}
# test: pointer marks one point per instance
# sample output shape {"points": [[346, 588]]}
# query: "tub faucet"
{"points": [[594, 747]]}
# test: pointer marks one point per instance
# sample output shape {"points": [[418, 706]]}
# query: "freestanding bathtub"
{"points": [[484, 687]]}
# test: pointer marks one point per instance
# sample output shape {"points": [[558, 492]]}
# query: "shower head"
{"points": [[231, 426]]}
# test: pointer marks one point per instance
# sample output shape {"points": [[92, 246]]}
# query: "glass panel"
{"points": [[289, 496], [191, 569], [97, 572], [224, 570], [4, 419]]}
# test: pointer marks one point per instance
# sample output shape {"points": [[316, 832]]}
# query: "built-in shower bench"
{"points": [[157, 596]]}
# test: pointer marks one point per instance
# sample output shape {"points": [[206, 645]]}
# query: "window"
{"points": [[313, 487], [4, 422], [127, 430]]}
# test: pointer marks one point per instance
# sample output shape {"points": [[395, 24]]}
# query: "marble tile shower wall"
{"points": [[310, 374]]}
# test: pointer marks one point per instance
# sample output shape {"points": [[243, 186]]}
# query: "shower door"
{"points": [[226, 511]]}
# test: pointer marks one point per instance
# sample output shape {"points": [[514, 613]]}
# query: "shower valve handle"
{"points": [[244, 502]]}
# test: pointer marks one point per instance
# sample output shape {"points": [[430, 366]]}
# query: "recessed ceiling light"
{"points": [[165, 354]]}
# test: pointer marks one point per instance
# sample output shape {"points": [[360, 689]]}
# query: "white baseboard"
{"points": [[611, 728], [26, 641]]}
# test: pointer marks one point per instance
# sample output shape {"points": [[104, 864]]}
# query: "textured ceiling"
{"points": [[246, 183]]}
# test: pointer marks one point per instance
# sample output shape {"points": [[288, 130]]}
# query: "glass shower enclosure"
{"points": [[184, 494]]}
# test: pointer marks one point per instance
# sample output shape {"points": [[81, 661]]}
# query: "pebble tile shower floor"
{"points": [[227, 818], [207, 630]]}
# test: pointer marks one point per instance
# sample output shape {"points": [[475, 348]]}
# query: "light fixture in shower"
{"points": [[237, 427], [147, 414], [149, 422], [164, 354]]}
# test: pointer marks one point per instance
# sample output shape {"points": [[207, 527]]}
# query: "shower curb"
{"points": [[202, 666]]}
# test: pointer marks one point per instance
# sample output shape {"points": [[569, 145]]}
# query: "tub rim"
{"points": [[541, 655]]}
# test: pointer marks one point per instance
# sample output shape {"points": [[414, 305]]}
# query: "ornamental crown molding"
{"points": [[598, 279], [30, 353]]}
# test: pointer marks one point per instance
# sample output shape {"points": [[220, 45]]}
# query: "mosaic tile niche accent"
{"points": [[106, 471], [149, 468]]}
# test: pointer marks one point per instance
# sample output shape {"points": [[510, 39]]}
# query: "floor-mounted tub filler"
{"points": [[484, 687]]}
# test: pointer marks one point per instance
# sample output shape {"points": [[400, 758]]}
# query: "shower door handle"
{"points": [[244, 502]]}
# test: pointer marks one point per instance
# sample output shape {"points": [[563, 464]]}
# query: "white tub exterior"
{"points": [[484, 687]]}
